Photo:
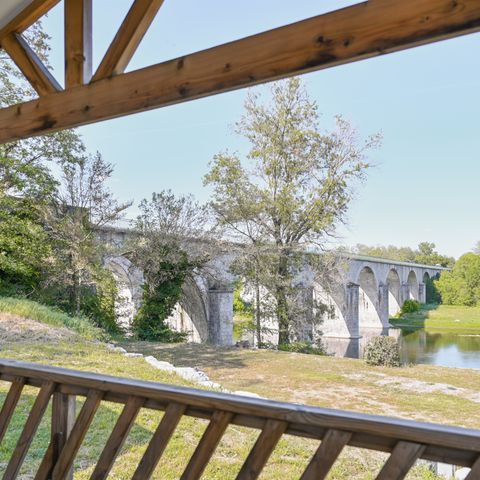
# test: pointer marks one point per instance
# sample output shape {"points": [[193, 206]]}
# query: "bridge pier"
{"points": [[352, 313], [404, 293], [422, 293], [383, 304], [220, 317]]}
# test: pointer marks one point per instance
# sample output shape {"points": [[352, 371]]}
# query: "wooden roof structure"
{"points": [[357, 32]]}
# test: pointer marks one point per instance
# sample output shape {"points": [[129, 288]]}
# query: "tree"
{"points": [[26, 182], [427, 255], [461, 286], [172, 241], [291, 191], [82, 205]]}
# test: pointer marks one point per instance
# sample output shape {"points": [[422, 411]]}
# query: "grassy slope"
{"points": [[442, 317], [264, 372], [49, 316]]}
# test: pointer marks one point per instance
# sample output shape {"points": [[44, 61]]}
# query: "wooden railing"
{"points": [[406, 441]]}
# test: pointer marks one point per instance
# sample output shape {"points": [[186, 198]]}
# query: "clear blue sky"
{"points": [[426, 101]]}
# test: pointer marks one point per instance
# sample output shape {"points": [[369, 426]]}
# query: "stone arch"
{"points": [[394, 292], [413, 286], [129, 281], [368, 308], [333, 319], [191, 314]]}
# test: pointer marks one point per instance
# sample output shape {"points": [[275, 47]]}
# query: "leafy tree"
{"points": [[26, 182], [476, 249], [82, 205], [172, 241], [290, 192], [427, 255], [461, 286]]}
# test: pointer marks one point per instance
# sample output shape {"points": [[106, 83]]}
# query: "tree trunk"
{"points": [[257, 311], [76, 293], [282, 301]]}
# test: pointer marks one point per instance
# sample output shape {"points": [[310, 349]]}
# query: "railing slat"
{"points": [[45, 469], [63, 419], [405, 440], [9, 405], [159, 441], [263, 448], [117, 438], [29, 430], [475, 471], [326, 454], [204, 451], [401, 460], [75, 439]]}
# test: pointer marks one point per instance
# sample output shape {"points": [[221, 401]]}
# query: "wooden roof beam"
{"points": [[128, 37], [361, 31], [78, 42], [30, 65], [28, 16]]}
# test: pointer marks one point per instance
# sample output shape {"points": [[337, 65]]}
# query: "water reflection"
{"points": [[449, 349]]}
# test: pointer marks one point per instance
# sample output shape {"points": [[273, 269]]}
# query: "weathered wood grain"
{"points": [[354, 33], [128, 37]]}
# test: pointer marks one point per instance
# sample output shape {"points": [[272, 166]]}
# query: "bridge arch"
{"points": [[191, 314], [394, 292], [129, 280], [334, 317], [368, 308], [413, 286]]}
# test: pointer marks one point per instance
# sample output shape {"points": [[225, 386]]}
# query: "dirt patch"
{"points": [[15, 329], [417, 386]]}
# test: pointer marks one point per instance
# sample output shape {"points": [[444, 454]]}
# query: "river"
{"points": [[417, 346]]}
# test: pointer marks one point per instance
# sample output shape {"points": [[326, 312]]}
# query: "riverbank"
{"points": [[441, 318]]}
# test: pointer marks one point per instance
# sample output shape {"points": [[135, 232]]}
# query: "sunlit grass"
{"points": [[50, 316], [438, 317]]}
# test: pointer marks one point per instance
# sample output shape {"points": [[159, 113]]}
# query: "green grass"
{"points": [[286, 376], [50, 316], [442, 317]]}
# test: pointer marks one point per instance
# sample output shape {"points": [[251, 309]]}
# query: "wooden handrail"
{"points": [[406, 440]]}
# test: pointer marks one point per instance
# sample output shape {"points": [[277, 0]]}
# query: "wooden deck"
{"points": [[406, 441]]}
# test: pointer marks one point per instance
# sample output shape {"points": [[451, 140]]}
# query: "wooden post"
{"points": [[63, 418]]}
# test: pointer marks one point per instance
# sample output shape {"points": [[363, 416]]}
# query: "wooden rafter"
{"points": [[354, 33], [28, 16], [78, 42], [30, 65], [128, 37]]}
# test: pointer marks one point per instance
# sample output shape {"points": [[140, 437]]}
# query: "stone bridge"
{"points": [[366, 293], [372, 290]]}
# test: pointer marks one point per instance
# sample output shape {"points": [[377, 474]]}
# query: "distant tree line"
{"points": [[424, 254]]}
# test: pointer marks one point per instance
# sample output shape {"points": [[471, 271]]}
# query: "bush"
{"points": [[410, 306], [382, 351], [158, 304], [99, 302]]}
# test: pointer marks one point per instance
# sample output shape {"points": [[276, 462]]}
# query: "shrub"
{"points": [[410, 306], [382, 351], [99, 302], [158, 303]]}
